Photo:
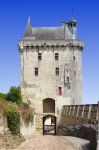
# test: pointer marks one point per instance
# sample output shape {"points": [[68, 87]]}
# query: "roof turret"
{"points": [[28, 31], [73, 22]]}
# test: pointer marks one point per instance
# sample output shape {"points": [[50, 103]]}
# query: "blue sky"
{"points": [[13, 16]]}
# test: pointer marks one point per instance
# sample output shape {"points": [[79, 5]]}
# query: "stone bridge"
{"points": [[80, 121], [75, 121]]}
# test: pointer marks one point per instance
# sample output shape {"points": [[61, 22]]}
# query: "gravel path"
{"points": [[46, 142]]}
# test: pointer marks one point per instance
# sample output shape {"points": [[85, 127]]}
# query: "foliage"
{"points": [[14, 109], [27, 113], [2, 96], [14, 95], [25, 105], [13, 117]]}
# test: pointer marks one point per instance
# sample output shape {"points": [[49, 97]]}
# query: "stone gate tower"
{"points": [[51, 68]]}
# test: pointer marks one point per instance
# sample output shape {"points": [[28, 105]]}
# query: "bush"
{"points": [[2, 96], [14, 95], [25, 105], [13, 117], [27, 113]]}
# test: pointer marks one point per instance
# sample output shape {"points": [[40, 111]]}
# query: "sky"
{"points": [[14, 15]]}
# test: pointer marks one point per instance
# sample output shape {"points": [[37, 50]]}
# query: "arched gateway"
{"points": [[49, 125]]}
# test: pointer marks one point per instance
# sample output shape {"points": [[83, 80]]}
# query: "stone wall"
{"points": [[3, 121], [28, 130], [46, 84]]}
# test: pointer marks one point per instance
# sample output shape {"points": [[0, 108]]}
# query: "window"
{"points": [[68, 83], [56, 56], [60, 91], [57, 71], [27, 47], [39, 56], [48, 105], [74, 73], [67, 79], [73, 57], [36, 71]]}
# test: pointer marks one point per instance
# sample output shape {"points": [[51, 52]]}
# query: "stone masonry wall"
{"points": [[46, 84]]}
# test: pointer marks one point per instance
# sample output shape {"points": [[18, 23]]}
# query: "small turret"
{"points": [[72, 25], [28, 31], [72, 22]]}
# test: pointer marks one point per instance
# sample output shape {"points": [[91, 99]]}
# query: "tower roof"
{"points": [[50, 33]]}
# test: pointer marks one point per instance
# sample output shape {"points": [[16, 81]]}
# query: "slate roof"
{"points": [[48, 33]]}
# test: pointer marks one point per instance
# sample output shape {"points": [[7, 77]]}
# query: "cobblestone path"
{"points": [[46, 142]]}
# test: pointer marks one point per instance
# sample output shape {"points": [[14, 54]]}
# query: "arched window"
{"points": [[48, 105]]}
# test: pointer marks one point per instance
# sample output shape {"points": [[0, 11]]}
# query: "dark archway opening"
{"points": [[49, 125], [48, 105]]}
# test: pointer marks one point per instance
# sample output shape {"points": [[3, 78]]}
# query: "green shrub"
{"points": [[25, 105], [14, 95], [13, 117], [2, 96]]}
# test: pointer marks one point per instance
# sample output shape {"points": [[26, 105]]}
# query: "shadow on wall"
{"points": [[86, 131]]}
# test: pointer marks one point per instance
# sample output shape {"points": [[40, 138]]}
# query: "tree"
{"points": [[14, 95]]}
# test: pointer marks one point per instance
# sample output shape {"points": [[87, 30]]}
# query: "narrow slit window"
{"points": [[67, 79], [36, 71], [57, 71], [68, 83], [56, 56], [73, 57], [39, 56], [60, 91], [74, 73]]}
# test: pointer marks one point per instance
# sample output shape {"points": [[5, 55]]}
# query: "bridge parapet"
{"points": [[89, 111], [80, 121]]}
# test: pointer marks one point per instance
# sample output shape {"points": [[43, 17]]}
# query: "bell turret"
{"points": [[73, 22], [72, 25]]}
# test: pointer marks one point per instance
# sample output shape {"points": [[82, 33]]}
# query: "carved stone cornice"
{"points": [[32, 44]]}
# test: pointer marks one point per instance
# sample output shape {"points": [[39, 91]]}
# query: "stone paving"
{"points": [[46, 142]]}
